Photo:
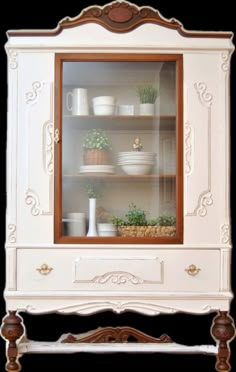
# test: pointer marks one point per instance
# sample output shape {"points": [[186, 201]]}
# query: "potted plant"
{"points": [[104, 226], [136, 224], [147, 96], [96, 147]]}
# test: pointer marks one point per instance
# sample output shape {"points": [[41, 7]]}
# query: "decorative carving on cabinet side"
{"points": [[205, 199], [48, 147], [204, 96], [12, 56], [31, 196], [225, 65], [225, 61], [114, 335], [188, 147], [32, 199], [12, 233], [225, 234], [31, 97]]}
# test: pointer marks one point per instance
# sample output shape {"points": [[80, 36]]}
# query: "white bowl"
{"points": [[104, 100], [137, 169], [138, 162], [104, 109]]}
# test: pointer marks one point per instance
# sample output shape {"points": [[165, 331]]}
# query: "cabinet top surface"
{"points": [[122, 17]]}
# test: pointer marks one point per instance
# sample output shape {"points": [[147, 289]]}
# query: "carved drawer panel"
{"points": [[118, 270]]}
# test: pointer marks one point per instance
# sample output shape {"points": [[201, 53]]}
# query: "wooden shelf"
{"points": [[121, 178], [123, 122]]}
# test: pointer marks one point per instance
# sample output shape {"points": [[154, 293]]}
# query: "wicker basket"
{"points": [[142, 231], [96, 157]]}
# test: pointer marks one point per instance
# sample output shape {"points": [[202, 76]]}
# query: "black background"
{"points": [[187, 329]]}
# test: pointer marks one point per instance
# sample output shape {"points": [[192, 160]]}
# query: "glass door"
{"points": [[118, 149]]}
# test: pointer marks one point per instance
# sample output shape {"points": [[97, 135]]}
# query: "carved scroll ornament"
{"points": [[116, 335]]}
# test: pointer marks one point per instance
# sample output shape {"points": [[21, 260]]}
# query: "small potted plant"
{"points": [[147, 96], [104, 225], [136, 224], [96, 147]]}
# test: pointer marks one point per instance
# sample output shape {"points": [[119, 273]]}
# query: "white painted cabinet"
{"points": [[109, 53]]}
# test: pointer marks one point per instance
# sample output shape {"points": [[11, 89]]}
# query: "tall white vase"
{"points": [[92, 231]]}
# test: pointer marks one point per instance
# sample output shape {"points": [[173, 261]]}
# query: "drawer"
{"points": [[118, 270]]}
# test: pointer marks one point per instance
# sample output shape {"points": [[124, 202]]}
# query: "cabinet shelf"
{"points": [[124, 122], [121, 178]]}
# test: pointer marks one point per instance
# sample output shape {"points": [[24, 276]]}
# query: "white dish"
{"points": [[97, 169]]}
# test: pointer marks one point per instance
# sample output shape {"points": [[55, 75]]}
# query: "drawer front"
{"points": [[118, 270]]}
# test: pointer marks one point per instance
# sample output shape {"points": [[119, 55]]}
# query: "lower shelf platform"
{"points": [[59, 348], [113, 340]]}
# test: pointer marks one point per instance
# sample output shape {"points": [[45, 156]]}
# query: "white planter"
{"points": [[106, 229], [147, 109]]}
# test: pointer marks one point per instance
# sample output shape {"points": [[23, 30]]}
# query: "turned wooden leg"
{"points": [[223, 331], [12, 330]]}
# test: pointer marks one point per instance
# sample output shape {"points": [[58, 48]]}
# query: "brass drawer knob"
{"points": [[192, 270], [44, 269]]}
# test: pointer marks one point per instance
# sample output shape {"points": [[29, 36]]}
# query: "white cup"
{"points": [[79, 103]]}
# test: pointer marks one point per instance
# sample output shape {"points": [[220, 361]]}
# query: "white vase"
{"points": [[92, 231], [147, 109]]}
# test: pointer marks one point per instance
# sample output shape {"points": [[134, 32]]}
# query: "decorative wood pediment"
{"points": [[115, 335], [120, 17]]}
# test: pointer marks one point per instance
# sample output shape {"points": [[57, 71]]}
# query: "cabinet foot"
{"points": [[223, 331], [12, 330]]}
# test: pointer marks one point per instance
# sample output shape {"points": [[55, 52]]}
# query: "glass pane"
{"points": [[119, 148]]}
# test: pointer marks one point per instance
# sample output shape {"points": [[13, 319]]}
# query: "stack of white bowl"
{"points": [[136, 162], [104, 105]]}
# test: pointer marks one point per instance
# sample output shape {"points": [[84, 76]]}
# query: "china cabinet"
{"points": [[118, 178]]}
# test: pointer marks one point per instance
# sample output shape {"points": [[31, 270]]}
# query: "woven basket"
{"points": [[96, 157], [152, 231]]}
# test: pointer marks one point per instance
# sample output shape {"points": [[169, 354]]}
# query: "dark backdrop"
{"points": [[188, 329]]}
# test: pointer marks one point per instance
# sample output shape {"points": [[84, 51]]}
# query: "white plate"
{"points": [[97, 169]]}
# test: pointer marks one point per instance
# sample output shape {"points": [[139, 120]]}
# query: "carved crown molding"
{"points": [[120, 16]]}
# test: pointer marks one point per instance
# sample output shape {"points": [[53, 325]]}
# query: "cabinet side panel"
{"points": [[205, 135], [35, 147], [12, 123]]}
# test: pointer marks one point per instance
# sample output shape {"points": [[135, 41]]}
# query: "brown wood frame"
{"points": [[121, 17], [107, 57]]}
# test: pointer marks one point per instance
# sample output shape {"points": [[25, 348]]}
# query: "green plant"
{"points": [[134, 217], [96, 139], [166, 220], [137, 217], [93, 189], [147, 93]]}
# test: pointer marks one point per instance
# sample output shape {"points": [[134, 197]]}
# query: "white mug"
{"points": [[79, 104]]}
